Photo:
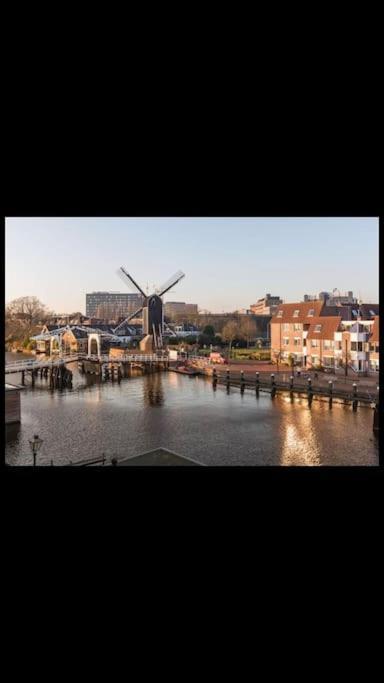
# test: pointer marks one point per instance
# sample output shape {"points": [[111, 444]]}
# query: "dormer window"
{"points": [[354, 312], [280, 314], [318, 328], [296, 313], [372, 313], [311, 312]]}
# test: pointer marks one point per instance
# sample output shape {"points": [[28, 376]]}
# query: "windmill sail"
{"points": [[132, 315], [129, 281], [170, 283]]}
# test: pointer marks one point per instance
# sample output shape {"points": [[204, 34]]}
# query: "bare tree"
{"points": [[28, 310], [230, 332], [248, 328]]}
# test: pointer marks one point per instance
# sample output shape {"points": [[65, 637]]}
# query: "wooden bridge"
{"points": [[32, 364]]}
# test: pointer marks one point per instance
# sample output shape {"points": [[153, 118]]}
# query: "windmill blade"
{"points": [[129, 281], [132, 315], [170, 283]]}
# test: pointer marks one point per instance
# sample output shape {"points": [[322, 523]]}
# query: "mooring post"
{"points": [[354, 402], [33, 377], [41, 373], [273, 386], [330, 385], [309, 391], [214, 376], [119, 373], [23, 377], [257, 386], [113, 373], [242, 381], [228, 380]]}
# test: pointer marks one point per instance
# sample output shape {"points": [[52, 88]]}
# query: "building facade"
{"points": [[112, 305], [306, 335], [174, 308], [267, 305]]}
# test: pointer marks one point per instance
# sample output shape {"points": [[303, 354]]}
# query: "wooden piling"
{"points": [[257, 384], [330, 385], [309, 392], [33, 377], [23, 377], [242, 382], [354, 402], [273, 386]]}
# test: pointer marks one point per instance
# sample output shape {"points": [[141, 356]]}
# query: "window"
{"points": [[286, 327], [354, 312], [353, 346], [372, 313], [314, 343], [297, 341], [296, 313], [311, 312], [328, 344], [279, 314], [318, 328], [285, 341], [297, 327]]}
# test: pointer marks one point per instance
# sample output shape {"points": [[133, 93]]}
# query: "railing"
{"points": [[19, 366]]}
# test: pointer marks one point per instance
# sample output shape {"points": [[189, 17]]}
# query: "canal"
{"points": [[187, 416]]}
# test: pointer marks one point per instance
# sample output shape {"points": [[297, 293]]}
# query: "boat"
{"points": [[182, 370]]}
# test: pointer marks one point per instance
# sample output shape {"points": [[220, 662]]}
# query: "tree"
{"points": [[209, 331], [248, 329], [230, 332], [27, 309]]}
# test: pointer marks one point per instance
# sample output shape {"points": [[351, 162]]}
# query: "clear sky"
{"points": [[229, 262]]}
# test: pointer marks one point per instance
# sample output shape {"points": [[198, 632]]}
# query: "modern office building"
{"points": [[111, 304]]}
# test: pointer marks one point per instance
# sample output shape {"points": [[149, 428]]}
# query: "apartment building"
{"points": [[306, 333], [267, 305], [111, 304], [374, 346], [289, 329]]}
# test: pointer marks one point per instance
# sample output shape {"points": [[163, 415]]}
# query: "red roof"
{"points": [[329, 325], [303, 310]]}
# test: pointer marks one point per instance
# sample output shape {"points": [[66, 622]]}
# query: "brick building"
{"points": [[306, 333], [179, 308]]}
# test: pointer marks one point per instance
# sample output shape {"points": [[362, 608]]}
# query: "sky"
{"points": [[229, 263]]}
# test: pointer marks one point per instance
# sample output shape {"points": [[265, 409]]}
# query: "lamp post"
{"points": [[35, 445]]}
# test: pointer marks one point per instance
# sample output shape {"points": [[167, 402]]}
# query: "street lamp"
{"points": [[35, 445]]}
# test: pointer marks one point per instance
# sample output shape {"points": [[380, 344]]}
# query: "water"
{"points": [[187, 416]]}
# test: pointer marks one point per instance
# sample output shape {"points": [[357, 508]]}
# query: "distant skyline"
{"points": [[229, 262]]}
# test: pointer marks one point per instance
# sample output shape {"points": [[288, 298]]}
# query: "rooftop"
{"points": [[159, 456]]}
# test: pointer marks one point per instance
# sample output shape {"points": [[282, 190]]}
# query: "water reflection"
{"points": [[153, 390], [299, 444], [12, 432]]}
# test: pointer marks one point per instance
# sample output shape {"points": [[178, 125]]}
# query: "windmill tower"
{"points": [[152, 309]]}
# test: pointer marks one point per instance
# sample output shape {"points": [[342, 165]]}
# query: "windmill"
{"points": [[152, 307]]}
